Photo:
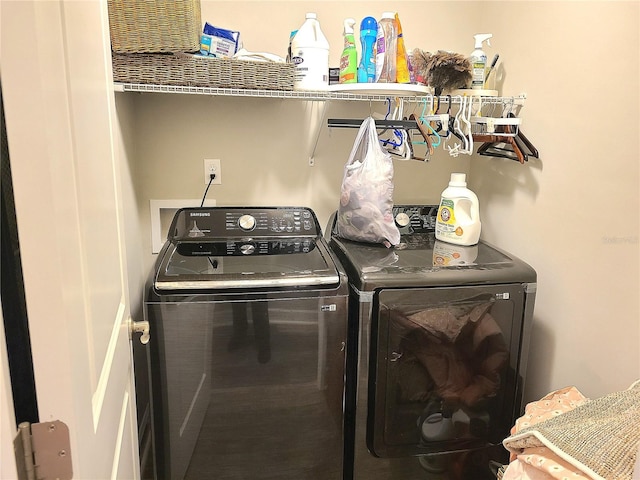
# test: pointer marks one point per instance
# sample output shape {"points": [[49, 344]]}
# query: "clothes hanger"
{"points": [[523, 141], [400, 147], [454, 123], [492, 148], [516, 145], [505, 136], [426, 120], [465, 115], [410, 144], [424, 132]]}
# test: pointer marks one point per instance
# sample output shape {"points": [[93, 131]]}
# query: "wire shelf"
{"points": [[294, 94]]}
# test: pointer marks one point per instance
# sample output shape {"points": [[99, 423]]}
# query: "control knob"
{"points": [[402, 219], [247, 248], [247, 222]]}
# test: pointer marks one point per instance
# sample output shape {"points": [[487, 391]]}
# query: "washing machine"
{"points": [[437, 352], [247, 309]]}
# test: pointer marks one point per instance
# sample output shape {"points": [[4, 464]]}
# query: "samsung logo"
{"points": [[200, 214]]}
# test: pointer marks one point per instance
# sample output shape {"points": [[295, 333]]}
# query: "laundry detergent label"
{"points": [[445, 212], [446, 226]]}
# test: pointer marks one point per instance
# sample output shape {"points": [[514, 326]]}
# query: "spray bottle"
{"points": [[479, 61], [367, 67], [349, 58]]}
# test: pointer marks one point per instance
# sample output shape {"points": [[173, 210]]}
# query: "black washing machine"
{"points": [[248, 318], [437, 353]]}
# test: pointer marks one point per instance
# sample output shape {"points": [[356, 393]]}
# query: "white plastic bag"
{"points": [[366, 200]]}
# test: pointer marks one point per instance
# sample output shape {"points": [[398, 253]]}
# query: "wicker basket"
{"points": [[199, 71], [149, 26]]}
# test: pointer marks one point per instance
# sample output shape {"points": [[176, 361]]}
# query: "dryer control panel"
{"points": [[415, 218]]}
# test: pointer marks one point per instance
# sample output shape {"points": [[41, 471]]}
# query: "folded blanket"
{"points": [[598, 438]]}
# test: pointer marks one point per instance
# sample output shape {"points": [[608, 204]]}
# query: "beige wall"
{"points": [[573, 214]]}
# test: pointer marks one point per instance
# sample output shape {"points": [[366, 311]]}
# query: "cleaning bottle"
{"points": [[402, 59], [368, 34], [479, 61], [310, 54], [386, 47], [349, 58], [291, 35], [458, 219]]}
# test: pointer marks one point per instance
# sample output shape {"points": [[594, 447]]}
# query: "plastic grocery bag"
{"points": [[366, 200]]}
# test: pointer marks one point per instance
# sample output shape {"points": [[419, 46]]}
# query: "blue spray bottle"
{"points": [[367, 67]]}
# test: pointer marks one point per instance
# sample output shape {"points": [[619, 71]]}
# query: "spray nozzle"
{"points": [[349, 23], [481, 37]]}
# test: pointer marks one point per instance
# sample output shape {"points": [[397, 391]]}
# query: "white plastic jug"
{"points": [[310, 54], [458, 219]]}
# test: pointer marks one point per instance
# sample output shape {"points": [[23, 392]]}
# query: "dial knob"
{"points": [[247, 222], [402, 219], [247, 248]]}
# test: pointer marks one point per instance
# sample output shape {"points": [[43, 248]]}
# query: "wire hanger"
{"points": [[426, 120], [506, 144], [397, 133]]}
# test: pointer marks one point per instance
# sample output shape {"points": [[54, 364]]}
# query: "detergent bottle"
{"points": [[386, 48], [458, 219], [367, 67], [479, 61], [310, 54], [402, 59], [349, 58]]}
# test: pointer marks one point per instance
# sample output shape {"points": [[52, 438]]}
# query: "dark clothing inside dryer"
{"points": [[455, 353]]}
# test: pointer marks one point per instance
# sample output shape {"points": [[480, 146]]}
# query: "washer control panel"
{"points": [[217, 223], [271, 222]]}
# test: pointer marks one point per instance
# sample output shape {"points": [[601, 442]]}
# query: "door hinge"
{"points": [[43, 451]]}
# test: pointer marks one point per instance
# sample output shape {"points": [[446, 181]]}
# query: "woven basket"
{"points": [[198, 71], [149, 26]]}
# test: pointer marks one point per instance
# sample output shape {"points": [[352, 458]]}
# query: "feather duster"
{"points": [[444, 71]]}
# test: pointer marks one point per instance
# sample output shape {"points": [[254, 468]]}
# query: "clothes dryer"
{"points": [[437, 352], [248, 315]]}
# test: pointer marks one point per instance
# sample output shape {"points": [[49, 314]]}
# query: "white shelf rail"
{"points": [[293, 94]]}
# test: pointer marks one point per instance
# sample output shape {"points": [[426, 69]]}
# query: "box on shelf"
{"points": [[219, 42], [143, 26]]}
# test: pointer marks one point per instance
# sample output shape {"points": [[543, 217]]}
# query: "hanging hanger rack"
{"points": [[355, 123], [500, 132]]}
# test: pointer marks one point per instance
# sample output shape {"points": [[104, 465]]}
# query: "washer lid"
{"points": [[246, 264]]}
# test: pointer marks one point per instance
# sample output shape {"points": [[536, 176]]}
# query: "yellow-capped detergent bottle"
{"points": [[458, 219]]}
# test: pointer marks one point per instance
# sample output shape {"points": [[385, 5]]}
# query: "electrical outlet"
{"points": [[212, 166]]}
